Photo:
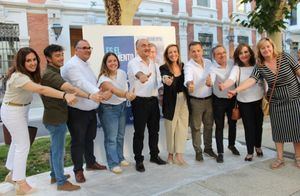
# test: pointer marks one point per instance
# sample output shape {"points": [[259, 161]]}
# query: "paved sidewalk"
{"points": [[233, 177]]}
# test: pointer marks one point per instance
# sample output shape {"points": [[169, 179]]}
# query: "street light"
{"points": [[57, 28]]}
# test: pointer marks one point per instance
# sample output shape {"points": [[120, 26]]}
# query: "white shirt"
{"points": [[194, 72], [220, 75], [79, 74], [251, 94], [119, 82], [149, 88]]}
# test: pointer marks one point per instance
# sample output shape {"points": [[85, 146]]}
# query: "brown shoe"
{"points": [[53, 180], [95, 166], [68, 186], [79, 176]]}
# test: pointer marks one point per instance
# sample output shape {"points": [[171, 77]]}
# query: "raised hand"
{"points": [[191, 86], [168, 80], [71, 98], [208, 81], [231, 93], [221, 86], [130, 95]]}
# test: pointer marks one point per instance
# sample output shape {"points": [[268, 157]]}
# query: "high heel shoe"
{"points": [[259, 152], [20, 191], [249, 157], [8, 178]]}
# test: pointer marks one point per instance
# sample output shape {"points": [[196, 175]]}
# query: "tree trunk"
{"points": [[277, 38], [121, 12], [129, 8]]}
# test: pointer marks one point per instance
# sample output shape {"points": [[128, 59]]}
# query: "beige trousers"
{"points": [[177, 129]]}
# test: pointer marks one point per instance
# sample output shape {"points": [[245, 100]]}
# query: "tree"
{"points": [[121, 12], [269, 16]]}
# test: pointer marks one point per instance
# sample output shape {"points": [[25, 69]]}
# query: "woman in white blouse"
{"points": [[249, 101], [112, 113], [23, 79]]}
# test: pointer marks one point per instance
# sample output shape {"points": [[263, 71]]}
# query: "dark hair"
{"points": [[214, 48], [236, 54], [49, 50], [19, 65], [193, 43], [104, 69], [167, 60]]}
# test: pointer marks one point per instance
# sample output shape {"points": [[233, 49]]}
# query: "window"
{"points": [[240, 7], [204, 3], [206, 41], [243, 39], [293, 20]]}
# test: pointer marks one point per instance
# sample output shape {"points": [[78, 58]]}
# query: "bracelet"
{"points": [[89, 96], [64, 96]]}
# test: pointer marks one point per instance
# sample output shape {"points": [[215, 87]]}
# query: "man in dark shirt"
{"points": [[56, 114]]}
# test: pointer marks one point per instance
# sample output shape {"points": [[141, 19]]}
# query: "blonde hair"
{"points": [[259, 57]]}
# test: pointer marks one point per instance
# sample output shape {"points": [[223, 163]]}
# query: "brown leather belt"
{"points": [[16, 104]]}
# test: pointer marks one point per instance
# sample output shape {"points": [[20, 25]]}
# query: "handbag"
{"points": [[7, 137], [236, 114], [265, 104]]}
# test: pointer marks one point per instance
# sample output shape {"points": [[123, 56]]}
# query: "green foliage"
{"points": [[268, 15], [38, 158]]}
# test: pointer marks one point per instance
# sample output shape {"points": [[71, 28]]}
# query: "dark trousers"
{"points": [[252, 117], [83, 127], [222, 106], [145, 112]]}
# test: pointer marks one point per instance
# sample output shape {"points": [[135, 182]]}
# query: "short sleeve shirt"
{"points": [[14, 92], [56, 110]]}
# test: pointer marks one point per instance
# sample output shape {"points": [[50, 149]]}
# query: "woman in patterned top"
{"points": [[281, 70]]}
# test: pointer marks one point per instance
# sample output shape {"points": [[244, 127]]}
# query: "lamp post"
{"points": [[57, 28]]}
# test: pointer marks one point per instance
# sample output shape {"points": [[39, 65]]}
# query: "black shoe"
{"points": [[220, 158], [139, 166], [157, 160], [199, 156], [249, 157], [210, 153], [234, 150], [259, 152]]}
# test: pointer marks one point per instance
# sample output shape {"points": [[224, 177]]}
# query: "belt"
{"points": [[16, 104], [200, 98]]}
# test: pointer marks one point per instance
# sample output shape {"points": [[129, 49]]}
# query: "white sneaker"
{"points": [[116, 170], [124, 163]]}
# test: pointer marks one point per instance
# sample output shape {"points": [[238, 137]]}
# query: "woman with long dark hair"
{"points": [[249, 101], [23, 80]]}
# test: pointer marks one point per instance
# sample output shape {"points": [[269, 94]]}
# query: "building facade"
{"points": [[32, 23]]}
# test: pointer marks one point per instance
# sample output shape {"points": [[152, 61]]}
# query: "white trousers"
{"points": [[177, 129], [15, 118]]}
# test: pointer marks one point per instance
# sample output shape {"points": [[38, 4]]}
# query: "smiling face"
{"points": [[83, 50], [31, 62], [196, 53], [57, 59], [220, 55], [143, 48], [266, 49], [173, 54], [244, 56], [112, 64]]}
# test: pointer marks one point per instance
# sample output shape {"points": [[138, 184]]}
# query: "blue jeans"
{"points": [[113, 120], [57, 151]]}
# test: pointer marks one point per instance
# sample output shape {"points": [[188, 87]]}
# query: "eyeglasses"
{"points": [[85, 48]]}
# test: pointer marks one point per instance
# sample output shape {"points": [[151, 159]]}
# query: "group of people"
{"points": [[198, 92]]}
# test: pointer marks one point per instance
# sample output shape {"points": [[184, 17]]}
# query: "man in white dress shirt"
{"points": [[144, 77], [221, 104], [196, 72], [82, 121]]}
